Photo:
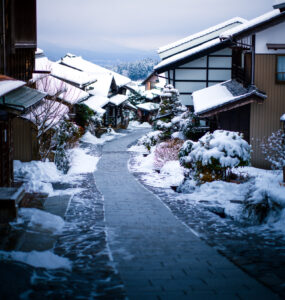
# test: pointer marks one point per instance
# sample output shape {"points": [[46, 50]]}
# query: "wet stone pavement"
{"points": [[124, 242], [83, 242], [258, 251], [157, 256]]}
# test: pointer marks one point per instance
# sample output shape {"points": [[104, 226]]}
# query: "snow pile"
{"points": [[41, 220], [37, 175], [81, 162], [267, 185], [89, 138], [136, 124], [171, 174], [45, 259], [227, 147]]}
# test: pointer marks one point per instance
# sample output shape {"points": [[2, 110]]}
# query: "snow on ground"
{"points": [[38, 176], [171, 174], [40, 220], [81, 162], [45, 259], [136, 124], [231, 198]]}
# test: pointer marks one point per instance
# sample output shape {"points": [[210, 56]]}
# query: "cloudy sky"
{"points": [[116, 26]]}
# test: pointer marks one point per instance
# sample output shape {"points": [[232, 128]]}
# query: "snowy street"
{"points": [[131, 234]]}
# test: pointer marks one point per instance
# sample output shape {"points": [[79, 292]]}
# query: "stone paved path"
{"points": [[158, 257]]}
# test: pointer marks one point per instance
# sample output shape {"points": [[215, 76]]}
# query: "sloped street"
{"points": [[157, 256]]}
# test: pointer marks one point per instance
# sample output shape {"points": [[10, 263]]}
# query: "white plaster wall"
{"points": [[273, 35], [181, 74], [220, 62], [198, 63], [186, 99], [189, 87], [222, 75]]}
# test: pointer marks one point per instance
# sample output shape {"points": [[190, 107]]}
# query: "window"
{"points": [[280, 74]]}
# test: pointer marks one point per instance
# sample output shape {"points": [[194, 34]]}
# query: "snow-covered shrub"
{"points": [[184, 152], [190, 126], [151, 139], [170, 106], [64, 138], [166, 151], [274, 150], [215, 153]]}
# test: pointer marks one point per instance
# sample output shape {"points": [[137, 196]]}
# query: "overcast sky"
{"points": [[118, 25]]}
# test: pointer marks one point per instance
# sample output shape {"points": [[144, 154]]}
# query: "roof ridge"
{"points": [[201, 33]]}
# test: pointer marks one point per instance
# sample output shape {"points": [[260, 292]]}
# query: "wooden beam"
{"points": [[230, 106]]}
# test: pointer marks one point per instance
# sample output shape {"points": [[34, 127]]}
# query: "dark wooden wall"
{"points": [[18, 38], [236, 120]]}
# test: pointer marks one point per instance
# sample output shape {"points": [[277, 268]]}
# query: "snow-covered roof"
{"points": [[47, 113], [9, 85], [130, 105], [74, 76], [53, 86], [282, 118], [39, 51], [79, 63], [149, 106], [96, 103], [118, 99], [66, 73], [279, 4], [204, 36], [187, 54], [220, 94], [102, 86], [250, 24]]}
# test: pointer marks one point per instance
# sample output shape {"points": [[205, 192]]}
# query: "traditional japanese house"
{"points": [[153, 81], [15, 99], [199, 60], [105, 100], [108, 92], [17, 60], [253, 101], [147, 111]]}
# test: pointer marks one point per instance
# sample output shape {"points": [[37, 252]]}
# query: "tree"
{"points": [[274, 150]]}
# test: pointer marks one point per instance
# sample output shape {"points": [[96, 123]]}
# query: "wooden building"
{"points": [[17, 60], [15, 99], [257, 102], [147, 111], [19, 38], [199, 61], [107, 93]]}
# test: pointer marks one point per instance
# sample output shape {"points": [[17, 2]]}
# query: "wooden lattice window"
{"points": [[280, 68]]}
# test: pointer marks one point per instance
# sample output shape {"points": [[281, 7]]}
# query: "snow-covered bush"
{"points": [[151, 139], [190, 126], [170, 106], [65, 136], [166, 151], [214, 154], [274, 150]]}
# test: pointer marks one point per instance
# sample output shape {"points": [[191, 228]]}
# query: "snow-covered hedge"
{"points": [[214, 153], [151, 139]]}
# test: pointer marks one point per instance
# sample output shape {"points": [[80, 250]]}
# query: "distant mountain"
{"points": [[106, 58], [136, 70]]}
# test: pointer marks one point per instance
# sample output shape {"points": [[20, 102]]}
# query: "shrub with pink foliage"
{"points": [[166, 151]]}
